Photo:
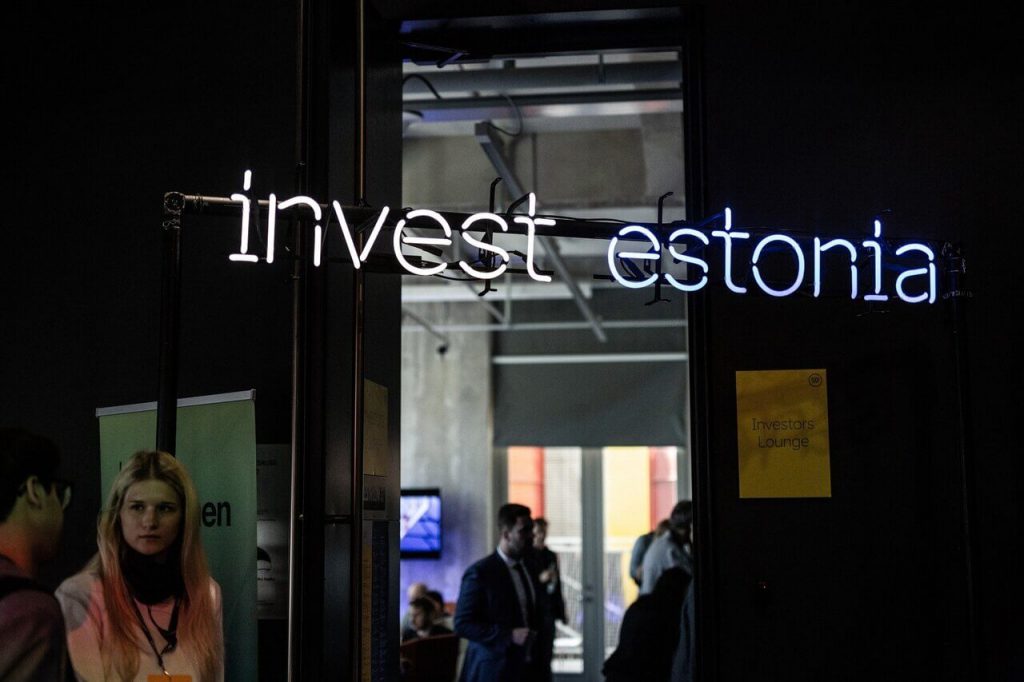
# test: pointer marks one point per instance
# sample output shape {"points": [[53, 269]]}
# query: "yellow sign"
{"points": [[782, 433]]}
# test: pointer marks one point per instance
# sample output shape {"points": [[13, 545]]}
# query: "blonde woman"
{"points": [[145, 607]]}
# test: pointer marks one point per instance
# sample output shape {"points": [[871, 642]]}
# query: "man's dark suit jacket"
{"points": [[486, 614]]}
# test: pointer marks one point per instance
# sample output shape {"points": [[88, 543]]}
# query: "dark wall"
{"points": [[113, 108], [116, 106], [350, 323], [820, 117]]}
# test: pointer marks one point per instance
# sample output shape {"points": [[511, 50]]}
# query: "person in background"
{"points": [[669, 549], [412, 593], [416, 590], [498, 603], [436, 597], [650, 632], [673, 552], [32, 503], [545, 565], [636, 557], [441, 614], [145, 607], [685, 654], [423, 614]]}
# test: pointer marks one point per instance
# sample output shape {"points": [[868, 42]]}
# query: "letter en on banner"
{"points": [[728, 237], [641, 255], [400, 239]]}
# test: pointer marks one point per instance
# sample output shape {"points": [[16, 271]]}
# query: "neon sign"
{"points": [[913, 284], [400, 238]]}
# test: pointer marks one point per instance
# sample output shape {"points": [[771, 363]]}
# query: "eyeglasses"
{"points": [[60, 486]]}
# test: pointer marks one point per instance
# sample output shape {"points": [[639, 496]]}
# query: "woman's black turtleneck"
{"points": [[150, 581]]}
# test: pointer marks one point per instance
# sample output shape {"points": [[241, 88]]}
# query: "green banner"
{"points": [[216, 441]]}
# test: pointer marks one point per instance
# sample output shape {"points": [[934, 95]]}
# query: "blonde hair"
{"points": [[198, 628]]}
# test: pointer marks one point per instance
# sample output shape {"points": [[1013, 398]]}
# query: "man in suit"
{"points": [[498, 607]]}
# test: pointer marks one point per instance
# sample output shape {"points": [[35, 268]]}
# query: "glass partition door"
{"points": [[597, 501]]}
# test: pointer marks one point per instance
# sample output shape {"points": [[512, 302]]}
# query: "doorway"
{"points": [[597, 502], [575, 364]]}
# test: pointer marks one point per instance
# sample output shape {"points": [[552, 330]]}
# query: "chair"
{"points": [[430, 659]]}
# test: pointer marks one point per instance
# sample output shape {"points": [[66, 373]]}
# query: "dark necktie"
{"points": [[525, 580]]}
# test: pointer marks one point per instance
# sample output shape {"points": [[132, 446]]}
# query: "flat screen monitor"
{"points": [[420, 524]]}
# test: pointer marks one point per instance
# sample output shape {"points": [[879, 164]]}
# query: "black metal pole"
{"points": [[298, 440], [957, 293], [296, 538], [565, 227], [170, 305], [358, 334], [697, 344]]}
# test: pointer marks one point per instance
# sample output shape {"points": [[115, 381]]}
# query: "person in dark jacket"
{"points": [[545, 565], [32, 502], [649, 635], [497, 610]]}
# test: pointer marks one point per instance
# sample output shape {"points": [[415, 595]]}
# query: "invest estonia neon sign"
{"points": [[687, 236]]}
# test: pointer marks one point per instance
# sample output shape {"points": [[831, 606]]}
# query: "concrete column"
{"points": [[446, 439]]}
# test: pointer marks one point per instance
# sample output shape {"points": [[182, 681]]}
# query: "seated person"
{"points": [[441, 615], [422, 612], [415, 591]]}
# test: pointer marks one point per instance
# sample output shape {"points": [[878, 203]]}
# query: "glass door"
{"points": [[596, 501]]}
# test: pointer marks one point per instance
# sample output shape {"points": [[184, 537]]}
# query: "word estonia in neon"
{"points": [[913, 284], [873, 247]]}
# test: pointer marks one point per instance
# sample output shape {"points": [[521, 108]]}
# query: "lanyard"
{"points": [[149, 638]]}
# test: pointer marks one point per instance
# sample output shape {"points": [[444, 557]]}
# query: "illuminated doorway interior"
{"points": [[579, 360], [597, 501]]}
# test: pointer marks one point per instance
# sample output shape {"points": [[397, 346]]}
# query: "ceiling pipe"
{"points": [[673, 323], [588, 358], [529, 78], [490, 307], [563, 105], [517, 291]]}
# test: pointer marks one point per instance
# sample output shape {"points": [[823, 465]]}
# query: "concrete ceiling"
{"points": [[595, 135]]}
